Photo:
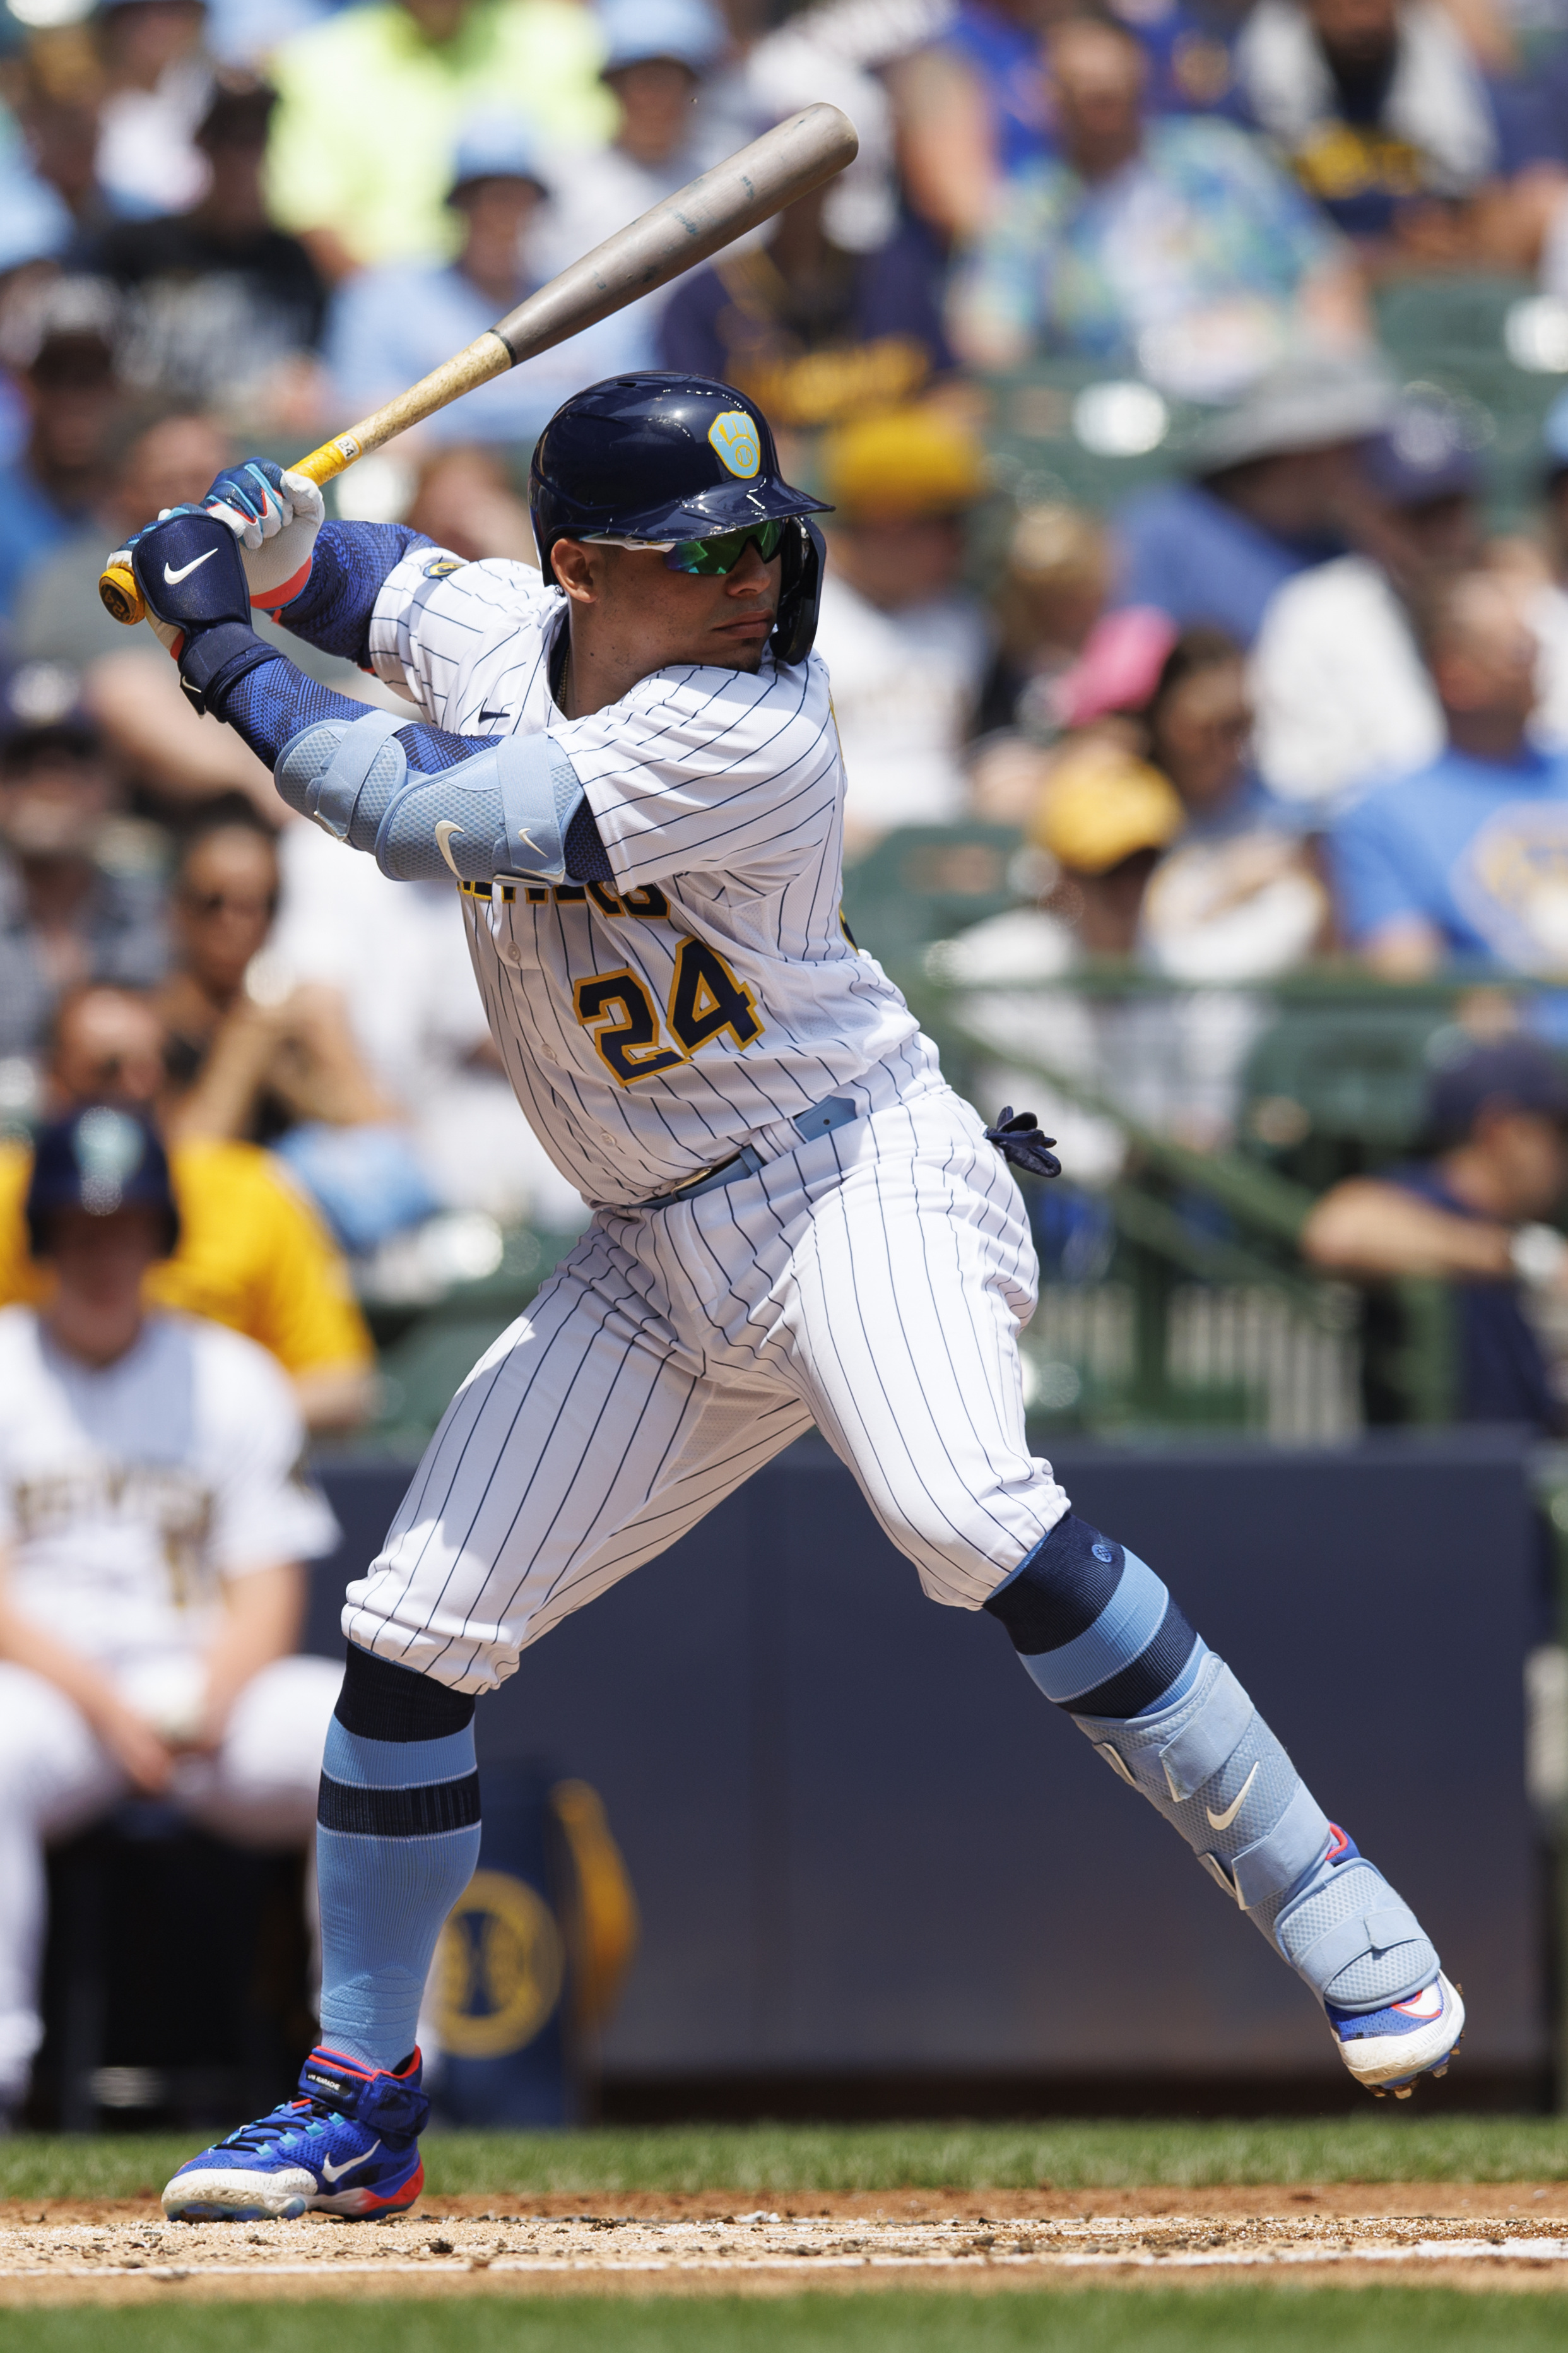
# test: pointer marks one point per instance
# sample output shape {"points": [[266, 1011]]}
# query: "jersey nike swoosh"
{"points": [[331, 2172], [446, 828], [1223, 1822], [185, 570], [493, 715]]}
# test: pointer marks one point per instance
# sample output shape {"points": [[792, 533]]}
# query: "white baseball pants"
{"points": [[259, 1790], [872, 1282]]}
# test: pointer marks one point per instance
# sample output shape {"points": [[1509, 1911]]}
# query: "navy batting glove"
{"points": [[1017, 1138], [190, 571]]}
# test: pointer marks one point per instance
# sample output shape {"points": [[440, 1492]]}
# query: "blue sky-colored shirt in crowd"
{"points": [[1201, 222], [388, 327], [31, 527], [1197, 559], [1478, 848]]}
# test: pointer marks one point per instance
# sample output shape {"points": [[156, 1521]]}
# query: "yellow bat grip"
{"points": [[117, 589]]}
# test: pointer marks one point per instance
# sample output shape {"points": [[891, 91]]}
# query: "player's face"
{"points": [[645, 617], [103, 1259]]}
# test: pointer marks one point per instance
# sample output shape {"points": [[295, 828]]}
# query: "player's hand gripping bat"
{"points": [[710, 211]]}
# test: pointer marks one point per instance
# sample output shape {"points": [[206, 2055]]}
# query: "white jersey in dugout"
{"points": [[653, 1025]]}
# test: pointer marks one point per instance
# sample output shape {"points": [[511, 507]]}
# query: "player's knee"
{"points": [[1097, 1629]]}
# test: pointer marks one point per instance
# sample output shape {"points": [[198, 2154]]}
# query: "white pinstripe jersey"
{"points": [[652, 1026]]}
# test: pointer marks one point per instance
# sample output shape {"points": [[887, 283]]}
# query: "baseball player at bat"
{"points": [[630, 771]]}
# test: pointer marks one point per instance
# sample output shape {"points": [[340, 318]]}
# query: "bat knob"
{"points": [[120, 595]]}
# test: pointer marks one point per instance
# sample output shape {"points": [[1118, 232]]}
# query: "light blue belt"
{"points": [[833, 1111]]}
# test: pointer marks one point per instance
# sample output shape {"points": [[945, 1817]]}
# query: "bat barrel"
{"points": [[709, 213]]}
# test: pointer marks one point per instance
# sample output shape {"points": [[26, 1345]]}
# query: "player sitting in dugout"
{"points": [[630, 770], [153, 1521], [252, 1253]]}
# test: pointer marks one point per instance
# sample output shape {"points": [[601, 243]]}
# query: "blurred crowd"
{"points": [[1294, 699]]}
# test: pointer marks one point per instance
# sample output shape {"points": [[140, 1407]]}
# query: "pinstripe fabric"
{"points": [[717, 797], [872, 1282]]}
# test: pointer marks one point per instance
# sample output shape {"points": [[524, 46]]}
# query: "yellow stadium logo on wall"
{"points": [[498, 1968], [734, 439]]}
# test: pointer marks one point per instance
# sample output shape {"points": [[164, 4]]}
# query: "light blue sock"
{"points": [[397, 1839]]}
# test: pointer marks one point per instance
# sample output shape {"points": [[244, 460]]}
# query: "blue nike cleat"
{"points": [[349, 2146], [1387, 2049]]}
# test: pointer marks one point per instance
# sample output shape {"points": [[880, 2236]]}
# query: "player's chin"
{"points": [[741, 648]]}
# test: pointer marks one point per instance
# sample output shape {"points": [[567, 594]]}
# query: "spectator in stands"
{"points": [[157, 81], [1542, 566], [248, 1063], [156, 465], [659, 57], [908, 646], [1339, 687], [153, 1521], [359, 163], [1462, 858], [971, 100], [67, 384], [970, 108], [1237, 897], [391, 325], [466, 501], [1268, 483], [1051, 594], [1176, 245], [65, 917], [816, 333], [251, 1253], [1381, 107], [1470, 1212], [223, 309]]}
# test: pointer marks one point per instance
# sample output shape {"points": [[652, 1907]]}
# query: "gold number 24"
{"points": [[705, 1001]]}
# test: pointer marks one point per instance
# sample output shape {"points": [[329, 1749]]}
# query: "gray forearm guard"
{"points": [[504, 809]]}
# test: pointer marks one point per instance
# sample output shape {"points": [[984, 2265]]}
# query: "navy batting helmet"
{"points": [[98, 1160], [661, 456]]}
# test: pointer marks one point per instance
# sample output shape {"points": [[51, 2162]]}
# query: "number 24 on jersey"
{"points": [[706, 1001]]}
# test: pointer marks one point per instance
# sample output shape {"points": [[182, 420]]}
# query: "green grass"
{"points": [[1217, 2320], [779, 2159]]}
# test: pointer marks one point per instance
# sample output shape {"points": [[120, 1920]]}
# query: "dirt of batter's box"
{"points": [[1408, 2200]]}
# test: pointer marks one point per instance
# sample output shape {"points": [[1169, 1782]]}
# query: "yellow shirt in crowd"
{"points": [[252, 1255]]}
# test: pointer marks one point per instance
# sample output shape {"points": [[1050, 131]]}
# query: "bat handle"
{"points": [[117, 589]]}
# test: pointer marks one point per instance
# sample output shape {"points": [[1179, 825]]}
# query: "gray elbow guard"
{"points": [[502, 810]]}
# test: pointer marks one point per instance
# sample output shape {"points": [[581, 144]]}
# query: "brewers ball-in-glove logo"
{"points": [[735, 437], [499, 1968]]}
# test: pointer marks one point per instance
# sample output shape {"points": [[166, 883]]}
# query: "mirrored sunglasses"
{"points": [[713, 559]]}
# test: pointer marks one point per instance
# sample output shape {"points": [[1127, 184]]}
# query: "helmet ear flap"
{"points": [[800, 592]]}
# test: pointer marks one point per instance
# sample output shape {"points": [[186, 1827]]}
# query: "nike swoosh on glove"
{"points": [[275, 516], [1019, 1139], [189, 570]]}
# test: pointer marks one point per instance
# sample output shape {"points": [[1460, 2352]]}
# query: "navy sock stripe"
{"points": [[423, 1812], [383, 1701], [1060, 1590], [1149, 1676]]}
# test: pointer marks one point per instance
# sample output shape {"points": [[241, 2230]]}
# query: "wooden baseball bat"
{"points": [[709, 212]]}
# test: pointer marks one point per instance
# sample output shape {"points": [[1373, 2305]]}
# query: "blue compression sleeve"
{"points": [[351, 560]]}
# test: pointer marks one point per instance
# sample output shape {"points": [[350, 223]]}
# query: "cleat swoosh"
{"points": [[1223, 1822], [331, 2172]]}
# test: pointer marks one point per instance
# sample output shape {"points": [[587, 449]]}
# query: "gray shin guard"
{"points": [[1212, 1767]]}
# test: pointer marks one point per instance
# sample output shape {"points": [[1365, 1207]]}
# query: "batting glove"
{"points": [[189, 570], [1017, 1137], [275, 516]]}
